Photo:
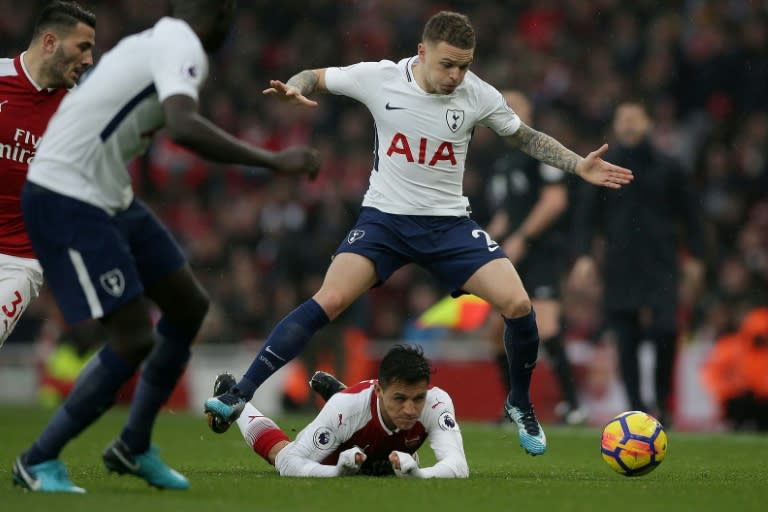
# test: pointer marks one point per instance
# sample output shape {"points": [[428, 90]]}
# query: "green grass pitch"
{"points": [[722, 472]]}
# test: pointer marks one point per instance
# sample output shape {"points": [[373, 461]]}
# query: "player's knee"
{"points": [[516, 307], [133, 348], [333, 303], [198, 308], [190, 316]]}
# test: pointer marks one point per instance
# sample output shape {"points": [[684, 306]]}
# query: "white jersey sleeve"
{"points": [[495, 113], [356, 81], [321, 438], [444, 434], [180, 68]]}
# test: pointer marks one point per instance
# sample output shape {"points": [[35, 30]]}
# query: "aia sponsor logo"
{"points": [[426, 153]]}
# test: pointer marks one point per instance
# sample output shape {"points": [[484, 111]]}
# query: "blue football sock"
{"points": [[93, 393], [285, 342], [521, 340], [162, 370]]}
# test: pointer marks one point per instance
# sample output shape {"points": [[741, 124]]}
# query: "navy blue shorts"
{"points": [[95, 263], [452, 248]]}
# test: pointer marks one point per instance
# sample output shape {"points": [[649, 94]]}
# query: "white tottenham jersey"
{"points": [[111, 118], [353, 418], [421, 139]]}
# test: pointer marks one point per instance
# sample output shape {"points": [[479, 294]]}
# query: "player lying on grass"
{"points": [[372, 428]]}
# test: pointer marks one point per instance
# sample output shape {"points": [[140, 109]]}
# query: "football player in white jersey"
{"points": [[372, 428], [104, 253], [424, 108]]}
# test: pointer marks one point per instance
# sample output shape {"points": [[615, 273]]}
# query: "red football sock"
{"points": [[262, 434]]}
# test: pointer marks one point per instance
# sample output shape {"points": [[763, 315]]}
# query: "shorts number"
{"points": [[14, 303], [490, 242]]}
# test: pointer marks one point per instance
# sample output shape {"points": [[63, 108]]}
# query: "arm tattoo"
{"points": [[544, 148], [306, 81]]}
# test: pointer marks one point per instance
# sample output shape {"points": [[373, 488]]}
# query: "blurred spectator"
{"points": [[641, 270], [700, 65], [736, 373], [529, 223]]}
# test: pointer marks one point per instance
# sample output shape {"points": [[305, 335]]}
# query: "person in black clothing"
{"points": [[530, 223], [641, 268]]}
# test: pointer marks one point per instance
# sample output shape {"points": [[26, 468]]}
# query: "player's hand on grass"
{"points": [[298, 160], [288, 93], [350, 461], [403, 463], [599, 172]]}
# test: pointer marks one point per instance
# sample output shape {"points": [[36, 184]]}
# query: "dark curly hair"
{"points": [[404, 363]]}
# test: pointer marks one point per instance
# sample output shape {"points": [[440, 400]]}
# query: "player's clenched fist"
{"points": [[403, 463], [299, 160], [350, 461]]}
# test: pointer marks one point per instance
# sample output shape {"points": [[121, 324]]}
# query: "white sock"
{"points": [[253, 424]]}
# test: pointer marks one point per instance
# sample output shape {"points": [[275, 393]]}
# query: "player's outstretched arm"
{"points": [[593, 168], [445, 439], [186, 127], [298, 87]]}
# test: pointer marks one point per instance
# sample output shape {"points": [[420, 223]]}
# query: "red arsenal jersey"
{"points": [[25, 110], [375, 439]]}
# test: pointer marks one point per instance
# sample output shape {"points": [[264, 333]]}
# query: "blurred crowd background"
{"points": [[261, 245]]}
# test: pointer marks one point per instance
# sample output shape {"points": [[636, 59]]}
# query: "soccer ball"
{"points": [[633, 443]]}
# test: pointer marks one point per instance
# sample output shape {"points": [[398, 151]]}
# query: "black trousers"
{"points": [[747, 412], [631, 327]]}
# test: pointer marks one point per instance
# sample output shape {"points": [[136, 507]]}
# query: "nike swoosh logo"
{"points": [[491, 249], [390, 107], [33, 483], [529, 365], [251, 418], [130, 465], [269, 349]]}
